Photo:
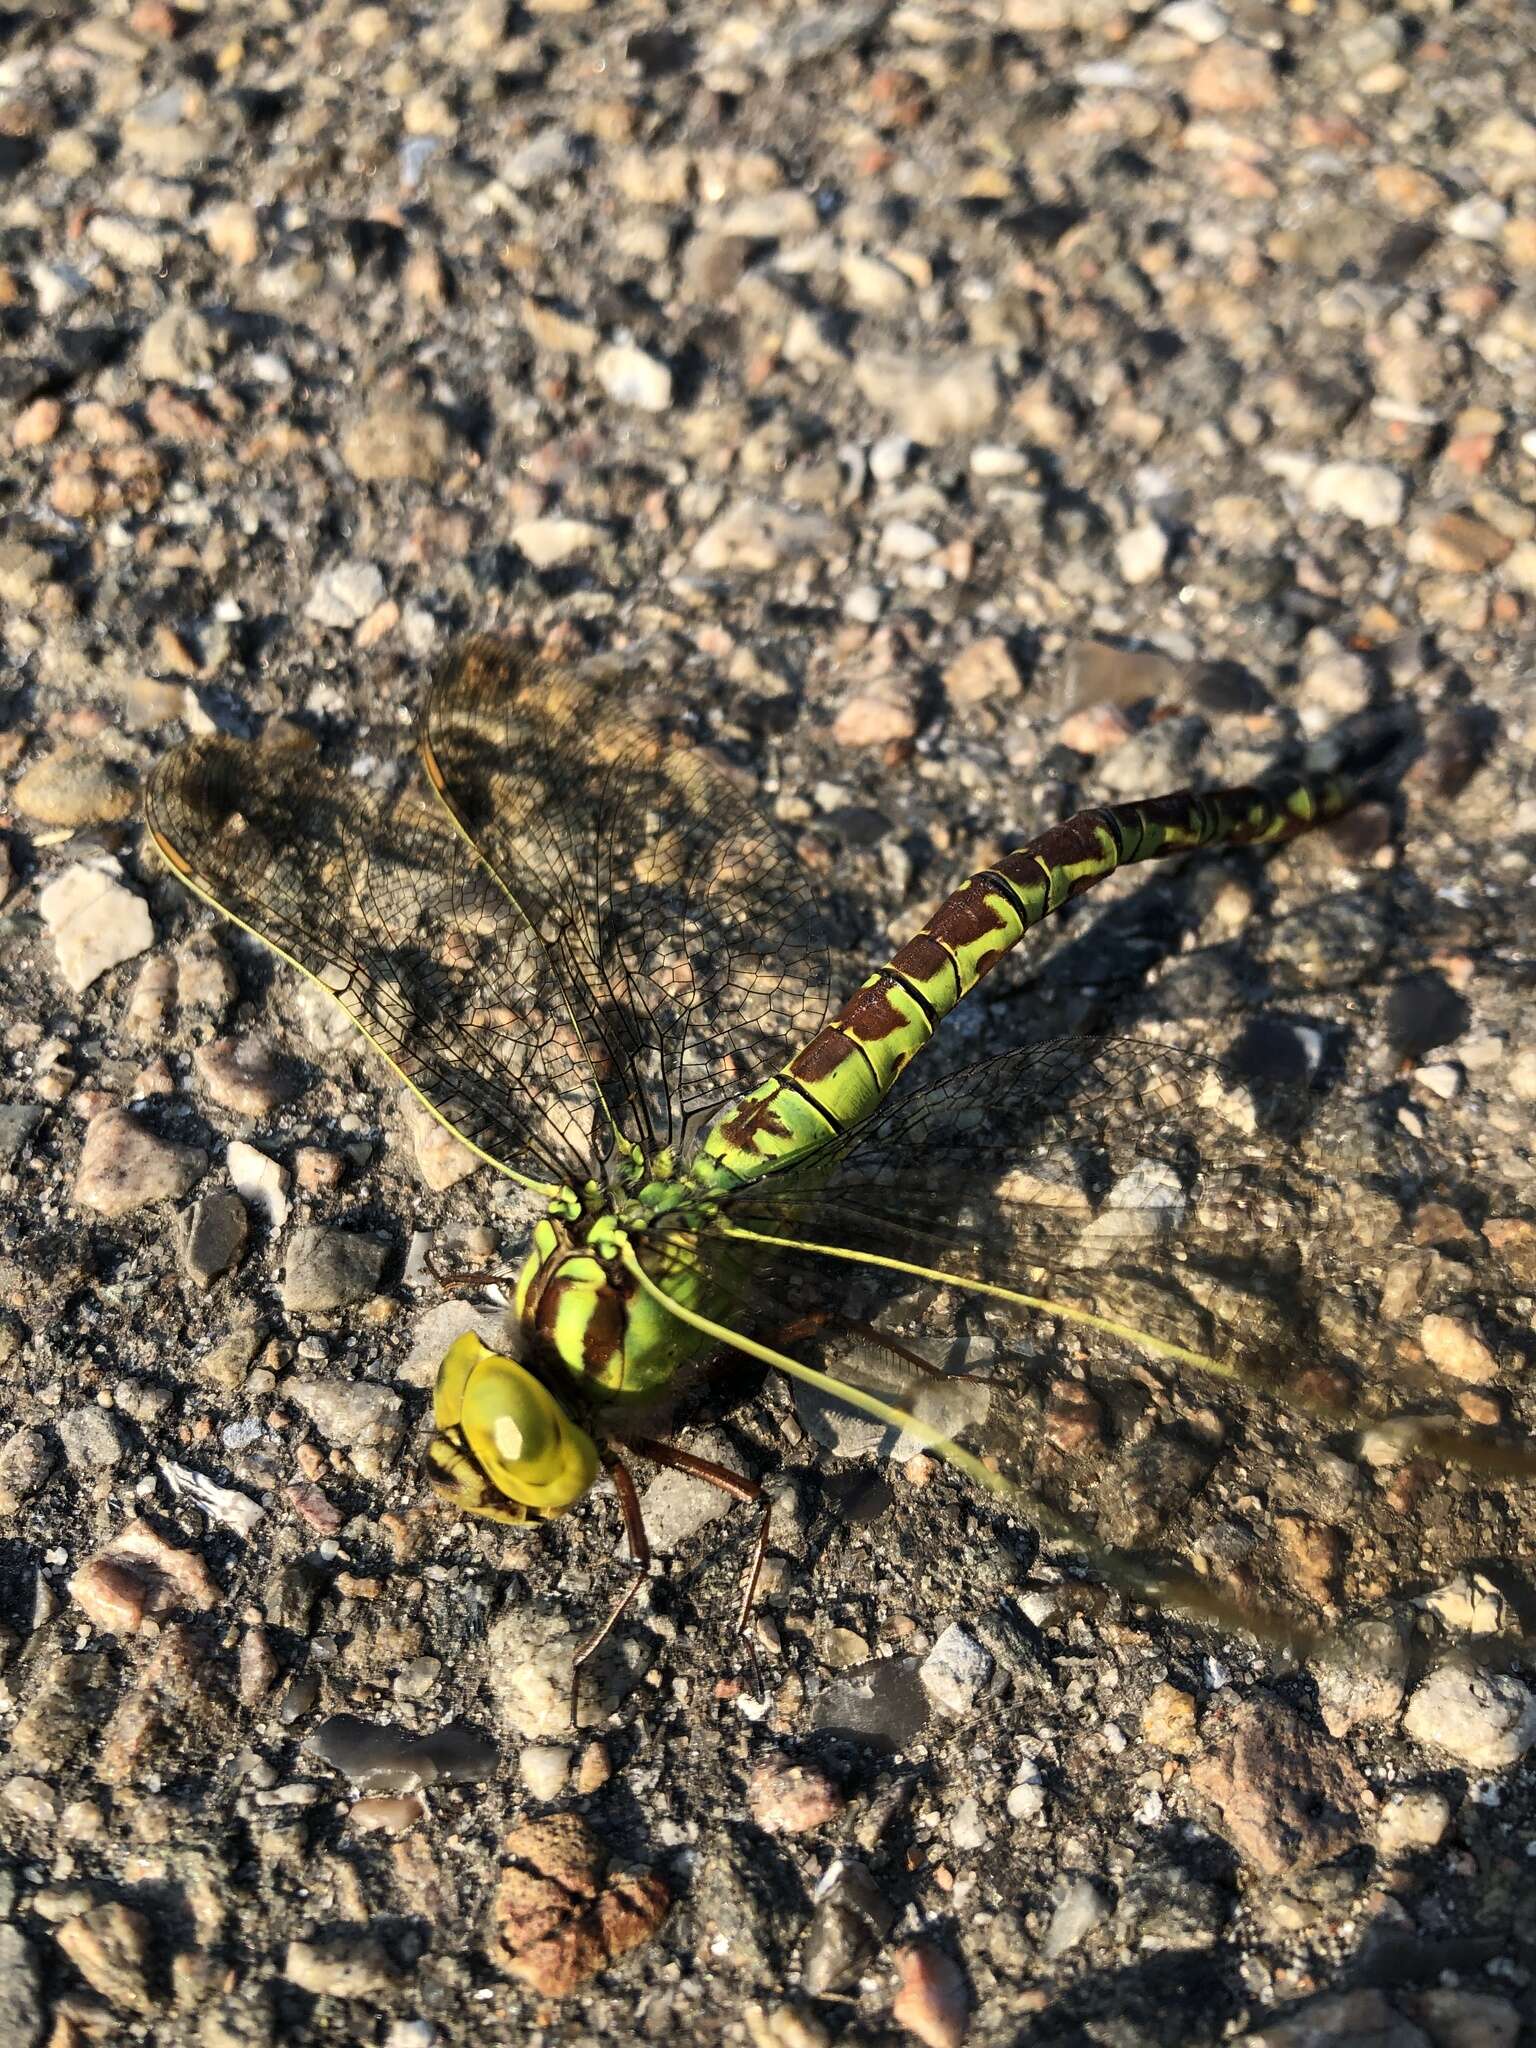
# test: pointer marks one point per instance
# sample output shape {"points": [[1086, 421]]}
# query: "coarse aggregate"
{"points": [[950, 413]]}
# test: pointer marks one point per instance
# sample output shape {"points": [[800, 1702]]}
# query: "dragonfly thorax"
{"points": [[582, 1310]]}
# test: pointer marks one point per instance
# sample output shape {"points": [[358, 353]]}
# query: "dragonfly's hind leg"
{"points": [[815, 1322], [639, 1556], [748, 1490]]}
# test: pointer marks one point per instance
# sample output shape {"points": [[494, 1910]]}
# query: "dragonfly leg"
{"points": [[466, 1279], [815, 1321], [639, 1556], [747, 1490]]}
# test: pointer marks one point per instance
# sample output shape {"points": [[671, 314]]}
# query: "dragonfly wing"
{"points": [[1161, 1253], [1237, 1212], [382, 904], [689, 939], [862, 1389]]}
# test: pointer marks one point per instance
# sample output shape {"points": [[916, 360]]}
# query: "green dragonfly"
{"points": [[601, 968]]}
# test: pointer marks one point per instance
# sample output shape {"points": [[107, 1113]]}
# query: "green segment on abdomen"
{"points": [[847, 1069]]}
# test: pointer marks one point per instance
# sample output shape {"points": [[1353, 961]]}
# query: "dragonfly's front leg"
{"points": [[639, 1556], [747, 1490]]}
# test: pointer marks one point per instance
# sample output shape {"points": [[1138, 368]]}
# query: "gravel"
{"points": [[949, 416]]}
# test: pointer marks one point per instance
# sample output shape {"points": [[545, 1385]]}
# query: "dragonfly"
{"points": [[601, 967]]}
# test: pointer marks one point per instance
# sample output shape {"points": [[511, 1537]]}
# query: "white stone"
{"points": [[1026, 1796], [754, 537], [544, 1768], [1518, 568], [1470, 1605], [993, 459], [1478, 219], [96, 923], [1367, 492], [549, 542], [1412, 1821], [1198, 19], [889, 457], [1483, 1718], [903, 540], [259, 1181], [955, 1670], [631, 377], [1142, 553], [344, 596], [1339, 684], [1079, 1909]]}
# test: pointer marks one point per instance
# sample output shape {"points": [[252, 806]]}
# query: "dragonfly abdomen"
{"points": [[848, 1068]]}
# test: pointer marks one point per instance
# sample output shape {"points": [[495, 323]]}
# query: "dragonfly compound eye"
{"points": [[504, 1446]]}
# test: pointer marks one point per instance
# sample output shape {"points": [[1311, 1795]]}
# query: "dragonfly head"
{"points": [[503, 1446]]}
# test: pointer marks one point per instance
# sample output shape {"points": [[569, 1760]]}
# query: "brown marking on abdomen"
{"points": [[751, 1121], [870, 1014], [964, 918], [827, 1051]]}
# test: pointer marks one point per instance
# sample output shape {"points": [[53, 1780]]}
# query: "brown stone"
{"points": [[1230, 78], [1313, 1553], [1285, 1796], [564, 1911], [983, 673], [1458, 544], [1073, 1418], [1168, 1719], [931, 2000], [140, 1574], [786, 1798], [109, 1946], [1407, 190]]}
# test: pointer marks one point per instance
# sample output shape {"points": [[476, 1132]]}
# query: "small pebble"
{"points": [[259, 1180], [931, 2001], [956, 1670], [110, 1946], [245, 1075], [564, 1910], [985, 673], [140, 1574], [397, 440], [931, 400], [631, 377], [1483, 1718], [548, 543], [1451, 1344], [345, 595], [124, 1166], [1078, 1910], [327, 1269], [1412, 1822], [544, 1768], [1142, 553], [1367, 492], [344, 1962], [96, 923], [786, 1798]]}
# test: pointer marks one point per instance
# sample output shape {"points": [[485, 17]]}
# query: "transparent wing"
{"points": [[383, 904], [686, 935], [1211, 1315]]}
